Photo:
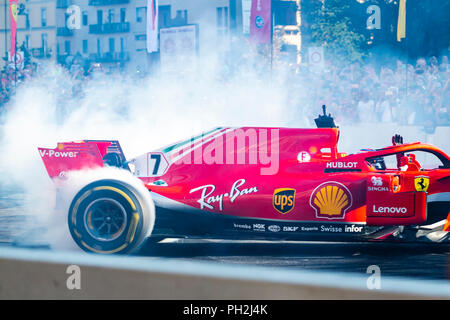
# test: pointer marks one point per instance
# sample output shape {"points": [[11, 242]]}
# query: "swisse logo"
{"points": [[389, 210], [58, 154], [342, 165], [274, 228]]}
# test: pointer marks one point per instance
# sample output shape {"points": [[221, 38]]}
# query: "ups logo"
{"points": [[331, 200], [284, 200]]}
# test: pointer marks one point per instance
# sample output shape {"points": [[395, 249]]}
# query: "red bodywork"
{"points": [[227, 172]]}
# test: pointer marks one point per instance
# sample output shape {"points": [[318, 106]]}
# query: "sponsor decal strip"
{"points": [[207, 198], [300, 228], [123, 194]]}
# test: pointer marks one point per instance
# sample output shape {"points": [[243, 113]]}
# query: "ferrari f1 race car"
{"points": [[258, 183]]}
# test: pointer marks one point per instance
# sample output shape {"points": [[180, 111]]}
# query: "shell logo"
{"points": [[331, 200]]}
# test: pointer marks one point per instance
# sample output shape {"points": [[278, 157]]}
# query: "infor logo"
{"points": [[421, 183], [284, 200]]}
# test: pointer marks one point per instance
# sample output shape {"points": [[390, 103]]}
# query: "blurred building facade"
{"points": [[36, 28]]}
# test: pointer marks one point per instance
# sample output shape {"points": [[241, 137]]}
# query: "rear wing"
{"points": [[78, 155]]}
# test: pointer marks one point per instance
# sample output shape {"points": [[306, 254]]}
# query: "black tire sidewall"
{"points": [[130, 236]]}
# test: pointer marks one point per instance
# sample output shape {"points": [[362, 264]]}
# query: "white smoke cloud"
{"points": [[142, 114]]}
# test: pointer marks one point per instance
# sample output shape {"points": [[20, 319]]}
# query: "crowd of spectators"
{"points": [[406, 94]]}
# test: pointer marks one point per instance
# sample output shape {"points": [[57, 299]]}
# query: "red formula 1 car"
{"points": [[259, 183]]}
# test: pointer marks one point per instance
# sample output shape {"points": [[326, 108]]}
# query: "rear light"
{"points": [[395, 184]]}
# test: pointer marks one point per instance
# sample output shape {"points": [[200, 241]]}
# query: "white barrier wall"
{"points": [[44, 274], [354, 138]]}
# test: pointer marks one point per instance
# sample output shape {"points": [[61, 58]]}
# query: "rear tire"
{"points": [[108, 217]]}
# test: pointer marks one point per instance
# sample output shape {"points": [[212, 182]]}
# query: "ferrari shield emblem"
{"points": [[421, 183], [331, 200], [284, 200]]}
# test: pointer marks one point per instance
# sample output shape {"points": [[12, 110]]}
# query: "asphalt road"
{"points": [[417, 261]]}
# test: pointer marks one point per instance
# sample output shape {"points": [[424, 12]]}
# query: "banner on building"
{"points": [[152, 25], [178, 47], [13, 20], [260, 22]]}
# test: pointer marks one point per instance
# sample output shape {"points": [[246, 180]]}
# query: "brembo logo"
{"points": [[331, 200], [58, 154], [208, 198], [377, 185], [389, 209]]}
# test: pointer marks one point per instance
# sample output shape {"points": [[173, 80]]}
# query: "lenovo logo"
{"points": [[389, 209]]}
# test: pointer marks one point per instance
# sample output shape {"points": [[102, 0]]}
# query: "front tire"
{"points": [[107, 217]]}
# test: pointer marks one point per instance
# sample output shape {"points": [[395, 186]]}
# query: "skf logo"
{"points": [[57, 154], [331, 200], [421, 183], [284, 200]]}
